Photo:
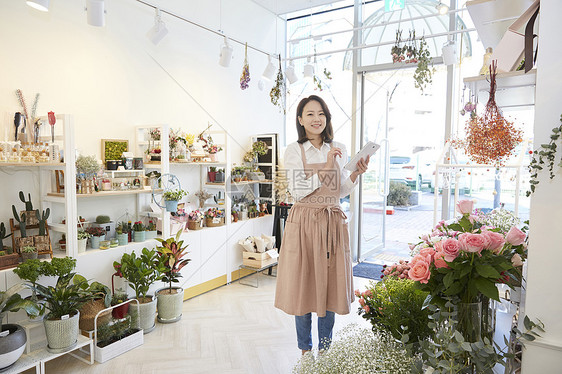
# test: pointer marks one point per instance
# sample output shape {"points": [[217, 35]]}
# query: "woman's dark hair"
{"points": [[328, 133]]}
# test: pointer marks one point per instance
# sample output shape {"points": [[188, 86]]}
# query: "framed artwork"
{"points": [[112, 149]]}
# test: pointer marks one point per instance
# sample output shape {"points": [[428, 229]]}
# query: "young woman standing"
{"points": [[314, 273]]}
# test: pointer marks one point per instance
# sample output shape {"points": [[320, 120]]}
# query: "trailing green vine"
{"points": [[543, 157], [423, 74]]}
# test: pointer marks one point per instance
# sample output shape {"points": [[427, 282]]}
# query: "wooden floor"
{"points": [[234, 329]]}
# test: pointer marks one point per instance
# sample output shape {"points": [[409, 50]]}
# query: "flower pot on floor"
{"points": [[82, 245], [147, 312], [61, 334], [123, 239], [151, 234], [139, 236], [170, 303], [11, 345]]}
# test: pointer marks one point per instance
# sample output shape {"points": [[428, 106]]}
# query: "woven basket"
{"points": [[194, 225], [209, 222], [62, 334], [41, 243], [23, 242], [88, 313], [169, 305]]}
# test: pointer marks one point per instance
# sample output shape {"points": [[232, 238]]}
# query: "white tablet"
{"points": [[368, 150]]}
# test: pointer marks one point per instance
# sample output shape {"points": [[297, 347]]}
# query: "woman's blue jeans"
{"points": [[304, 331]]}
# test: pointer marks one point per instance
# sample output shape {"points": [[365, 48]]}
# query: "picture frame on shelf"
{"points": [[112, 149]]}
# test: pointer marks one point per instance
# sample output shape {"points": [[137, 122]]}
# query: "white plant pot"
{"points": [[147, 313], [169, 305], [62, 334], [82, 245], [119, 347]]}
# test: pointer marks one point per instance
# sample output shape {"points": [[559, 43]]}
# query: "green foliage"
{"points": [[11, 301], [141, 272], [544, 157], [96, 289], [82, 234], [114, 330], [28, 249], [29, 270], [102, 219], [28, 204], [398, 194], [171, 254], [20, 220], [174, 195], [138, 226], [63, 299], [395, 306], [58, 267], [42, 218], [3, 235], [119, 296], [423, 74]]}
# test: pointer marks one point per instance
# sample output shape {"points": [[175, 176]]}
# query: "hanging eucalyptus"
{"points": [[546, 153], [277, 93]]}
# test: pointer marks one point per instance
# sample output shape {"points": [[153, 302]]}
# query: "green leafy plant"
{"points": [[544, 157], [82, 234], [28, 249], [58, 267], [171, 254], [11, 301], [97, 290], [63, 299], [30, 270], [175, 195], [141, 271], [395, 306], [119, 297], [114, 330], [102, 219], [398, 194], [424, 73], [96, 231]]}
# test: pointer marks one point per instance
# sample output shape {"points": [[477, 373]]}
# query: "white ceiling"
{"points": [[280, 7]]}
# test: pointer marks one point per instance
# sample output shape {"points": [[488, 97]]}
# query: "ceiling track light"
{"points": [[270, 69], [158, 31], [226, 54], [95, 12], [290, 73], [442, 8], [308, 71], [42, 5]]}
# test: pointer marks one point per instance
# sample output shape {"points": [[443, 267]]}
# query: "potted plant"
{"points": [[82, 237], [12, 337], [119, 297], [30, 217], [96, 235], [100, 299], [214, 217], [172, 197], [170, 299], [122, 233], [219, 177], [3, 236], [151, 232], [42, 241], [107, 224], [141, 272], [28, 252], [194, 220], [139, 232], [62, 242], [212, 174], [116, 337], [23, 240], [63, 302]]}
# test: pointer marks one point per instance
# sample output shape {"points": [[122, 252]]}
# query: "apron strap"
{"points": [[303, 156]]}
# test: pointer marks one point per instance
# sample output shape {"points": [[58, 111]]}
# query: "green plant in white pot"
{"points": [[82, 237], [172, 197], [170, 299], [141, 272], [12, 337]]}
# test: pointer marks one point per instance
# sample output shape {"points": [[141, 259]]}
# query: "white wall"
{"points": [[107, 78], [545, 249]]}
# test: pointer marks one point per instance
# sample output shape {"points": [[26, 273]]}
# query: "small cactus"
{"points": [[28, 204], [20, 220], [102, 219], [42, 221], [3, 235]]}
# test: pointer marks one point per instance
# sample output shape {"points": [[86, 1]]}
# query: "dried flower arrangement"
{"points": [[277, 93], [245, 77]]}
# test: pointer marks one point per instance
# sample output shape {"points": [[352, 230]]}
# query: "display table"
{"points": [[37, 359], [257, 272]]}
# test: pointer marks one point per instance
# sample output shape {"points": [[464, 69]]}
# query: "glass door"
{"points": [[375, 182]]}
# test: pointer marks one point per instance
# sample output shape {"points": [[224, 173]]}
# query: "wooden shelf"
{"points": [[514, 89], [44, 165], [105, 193]]}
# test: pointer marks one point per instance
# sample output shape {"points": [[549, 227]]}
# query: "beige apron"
{"points": [[314, 273]]}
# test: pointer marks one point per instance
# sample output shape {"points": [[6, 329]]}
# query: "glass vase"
{"points": [[469, 317]]}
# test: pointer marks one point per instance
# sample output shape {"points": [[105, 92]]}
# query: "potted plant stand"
{"points": [[169, 303], [107, 352]]}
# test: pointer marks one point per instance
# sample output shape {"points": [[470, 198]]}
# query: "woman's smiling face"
{"points": [[313, 119]]}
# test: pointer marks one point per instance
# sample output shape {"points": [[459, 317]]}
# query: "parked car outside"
{"points": [[413, 170]]}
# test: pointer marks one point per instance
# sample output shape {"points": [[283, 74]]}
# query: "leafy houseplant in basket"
{"points": [[13, 338], [139, 231], [170, 299], [172, 197], [141, 272], [82, 237], [96, 235], [101, 299]]}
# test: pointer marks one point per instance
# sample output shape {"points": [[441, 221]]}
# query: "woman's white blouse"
{"points": [[299, 185]]}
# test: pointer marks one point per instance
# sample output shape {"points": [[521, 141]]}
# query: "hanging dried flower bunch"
{"points": [[277, 93], [491, 139], [245, 77]]}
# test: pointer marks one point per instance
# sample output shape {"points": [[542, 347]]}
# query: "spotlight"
{"points": [[158, 31], [442, 8], [96, 12], [42, 5], [290, 73], [226, 54], [269, 70], [308, 69]]}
